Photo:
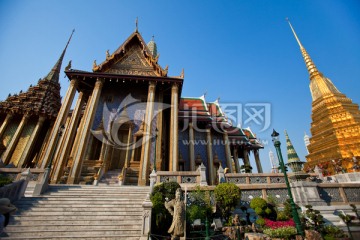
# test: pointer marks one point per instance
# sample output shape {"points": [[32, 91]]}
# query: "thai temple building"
{"points": [[335, 128], [128, 117]]}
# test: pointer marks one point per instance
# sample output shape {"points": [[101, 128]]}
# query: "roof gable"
{"points": [[133, 57]]}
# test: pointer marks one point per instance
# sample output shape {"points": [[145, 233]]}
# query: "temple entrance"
{"points": [[119, 154]]}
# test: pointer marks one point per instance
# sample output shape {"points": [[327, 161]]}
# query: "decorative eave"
{"points": [[87, 80], [194, 108], [120, 52]]}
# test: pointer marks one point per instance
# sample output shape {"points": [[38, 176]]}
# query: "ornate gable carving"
{"points": [[133, 63]]}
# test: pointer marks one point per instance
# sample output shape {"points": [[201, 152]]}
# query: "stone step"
{"points": [[29, 205], [125, 216], [68, 227], [80, 233], [88, 198], [78, 213], [80, 193], [132, 208], [85, 236], [46, 222]]}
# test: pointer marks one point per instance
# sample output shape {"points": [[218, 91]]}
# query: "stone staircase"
{"points": [[79, 212], [110, 178], [132, 173], [330, 214]]}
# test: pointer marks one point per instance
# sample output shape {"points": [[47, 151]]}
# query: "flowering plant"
{"points": [[281, 232], [279, 224]]}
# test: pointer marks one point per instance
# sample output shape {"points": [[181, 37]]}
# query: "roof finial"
{"points": [[153, 38], [136, 24], [292, 29], [308, 62], [53, 75]]}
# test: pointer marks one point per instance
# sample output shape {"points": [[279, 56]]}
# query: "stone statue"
{"points": [[236, 220], [176, 207]]}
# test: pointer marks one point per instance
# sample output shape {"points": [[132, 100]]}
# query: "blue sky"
{"points": [[241, 51]]}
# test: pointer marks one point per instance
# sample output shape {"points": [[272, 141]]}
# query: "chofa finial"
{"points": [[136, 24]]}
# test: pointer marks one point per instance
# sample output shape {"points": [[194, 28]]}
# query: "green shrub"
{"points": [[331, 232], [258, 202], [260, 221], [198, 205], [227, 196], [283, 232], [282, 216], [263, 209], [4, 180], [161, 218]]}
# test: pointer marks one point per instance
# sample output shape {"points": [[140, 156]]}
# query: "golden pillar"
{"points": [[210, 157], [174, 145], [128, 148], [192, 147], [14, 140], [85, 132], [5, 123], [31, 142], [145, 151], [246, 157], [68, 139], [227, 151], [236, 159], [60, 120], [159, 137], [257, 161], [75, 145]]}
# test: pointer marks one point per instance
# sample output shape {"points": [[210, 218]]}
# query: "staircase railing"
{"points": [[16, 190]]}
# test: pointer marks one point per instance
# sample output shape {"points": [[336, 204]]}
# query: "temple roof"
{"points": [[42, 99], [291, 153], [194, 107], [252, 138], [217, 114], [133, 57]]}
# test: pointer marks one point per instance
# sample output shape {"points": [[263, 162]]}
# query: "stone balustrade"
{"points": [[12, 190], [183, 178], [15, 173]]}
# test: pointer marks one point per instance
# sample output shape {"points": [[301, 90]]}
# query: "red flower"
{"points": [[278, 224]]}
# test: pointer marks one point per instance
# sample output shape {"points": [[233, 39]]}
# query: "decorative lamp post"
{"points": [[275, 139]]}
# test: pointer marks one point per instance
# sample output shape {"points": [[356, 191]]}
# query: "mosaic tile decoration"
{"points": [[352, 194], [330, 194]]}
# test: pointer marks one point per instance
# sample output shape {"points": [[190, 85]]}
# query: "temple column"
{"points": [[85, 132], [246, 157], [128, 149], [132, 158], [14, 140], [227, 151], [31, 142], [192, 147], [257, 161], [210, 157], [174, 145], [236, 159], [5, 124], [145, 151], [70, 160], [68, 138], [159, 137], [60, 120]]}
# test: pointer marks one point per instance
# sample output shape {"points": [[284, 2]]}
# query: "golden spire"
{"points": [[309, 63]]}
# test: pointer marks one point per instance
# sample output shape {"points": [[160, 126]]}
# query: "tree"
{"points": [[227, 197]]}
